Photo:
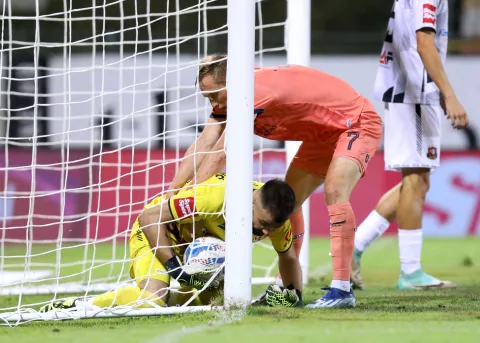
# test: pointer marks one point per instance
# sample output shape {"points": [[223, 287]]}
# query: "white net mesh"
{"points": [[99, 104]]}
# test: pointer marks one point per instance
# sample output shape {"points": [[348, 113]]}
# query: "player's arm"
{"points": [[152, 221], [291, 294], [290, 269], [425, 34], [213, 162], [211, 134]]}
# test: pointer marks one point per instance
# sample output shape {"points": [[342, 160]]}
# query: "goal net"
{"points": [[99, 104]]}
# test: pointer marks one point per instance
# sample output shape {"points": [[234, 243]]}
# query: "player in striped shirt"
{"points": [[412, 83]]}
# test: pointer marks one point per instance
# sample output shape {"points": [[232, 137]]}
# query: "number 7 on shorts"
{"points": [[354, 136]]}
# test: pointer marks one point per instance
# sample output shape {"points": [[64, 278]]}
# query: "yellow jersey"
{"points": [[204, 204]]}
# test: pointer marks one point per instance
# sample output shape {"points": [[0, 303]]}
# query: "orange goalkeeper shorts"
{"points": [[359, 143]]}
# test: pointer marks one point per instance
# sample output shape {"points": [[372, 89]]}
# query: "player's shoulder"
{"points": [[282, 237], [286, 227], [218, 178], [213, 188], [284, 230], [437, 6]]}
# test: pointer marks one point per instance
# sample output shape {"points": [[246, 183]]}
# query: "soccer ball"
{"points": [[205, 254]]}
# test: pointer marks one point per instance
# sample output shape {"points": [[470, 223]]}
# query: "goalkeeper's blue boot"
{"points": [[421, 280], [334, 298]]}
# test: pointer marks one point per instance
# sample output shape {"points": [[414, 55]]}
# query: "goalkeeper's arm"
{"points": [[204, 143], [291, 295], [152, 221], [214, 162], [290, 269]]}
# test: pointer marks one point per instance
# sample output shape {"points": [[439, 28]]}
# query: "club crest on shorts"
{"points": [[432, 153]]}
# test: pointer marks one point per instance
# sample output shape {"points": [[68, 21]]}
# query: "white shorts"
{"points": [[412, 136]]}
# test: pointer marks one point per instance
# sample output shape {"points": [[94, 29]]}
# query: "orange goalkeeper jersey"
{"points": [[295, 103]]}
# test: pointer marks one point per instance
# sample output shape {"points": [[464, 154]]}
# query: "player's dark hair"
{"points": [[216, 66], [278, 199]]}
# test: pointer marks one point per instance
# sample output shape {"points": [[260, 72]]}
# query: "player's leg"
{"points": [[412, 145], [151, 279], [376, 223], [353, 151], [149, 274], [341, 179], [415, 185], [146, 295]]}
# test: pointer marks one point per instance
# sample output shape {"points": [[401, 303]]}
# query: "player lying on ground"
{"points": [[203, 206], [413, 84], [340, 132]]}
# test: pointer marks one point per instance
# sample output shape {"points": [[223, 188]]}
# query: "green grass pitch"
{"points": [[383, 314]]}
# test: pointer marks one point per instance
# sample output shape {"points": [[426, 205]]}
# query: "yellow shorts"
{"points": [[143, 263]]}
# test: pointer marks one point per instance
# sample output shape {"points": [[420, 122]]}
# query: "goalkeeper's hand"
{"points": [[280, 296], [197, 280]]}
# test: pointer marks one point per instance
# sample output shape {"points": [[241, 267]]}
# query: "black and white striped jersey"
{"points": [[401, 75]]}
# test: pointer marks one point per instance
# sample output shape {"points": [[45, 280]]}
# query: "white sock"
{"points": [[410, 246], [341, 284], [279, 282], [370, 229]]}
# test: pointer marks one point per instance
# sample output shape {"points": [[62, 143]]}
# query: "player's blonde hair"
{"points": [[216, 66]]}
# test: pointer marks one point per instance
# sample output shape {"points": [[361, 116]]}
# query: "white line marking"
{"points": [[14, 276], [224, 318]]}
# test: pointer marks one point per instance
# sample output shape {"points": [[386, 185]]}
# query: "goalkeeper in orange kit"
{"points": [[156, 250]]}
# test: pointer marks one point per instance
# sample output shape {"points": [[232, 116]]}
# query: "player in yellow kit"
{"points": [[168, 226]]}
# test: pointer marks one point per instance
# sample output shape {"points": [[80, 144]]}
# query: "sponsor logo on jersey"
{"points": [[337, 224], [385, 57], [432, 153], [429, 14], [184, 206], [265, 130], [138, 233]]}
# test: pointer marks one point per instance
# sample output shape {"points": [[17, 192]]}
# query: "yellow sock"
{"points": [[127, 296]]}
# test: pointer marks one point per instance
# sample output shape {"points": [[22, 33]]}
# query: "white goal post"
{"points": [[239, 197], [298, 52], [98, 103]]}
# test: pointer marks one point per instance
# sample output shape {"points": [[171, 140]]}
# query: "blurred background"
{"points": [[98, 104]]}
